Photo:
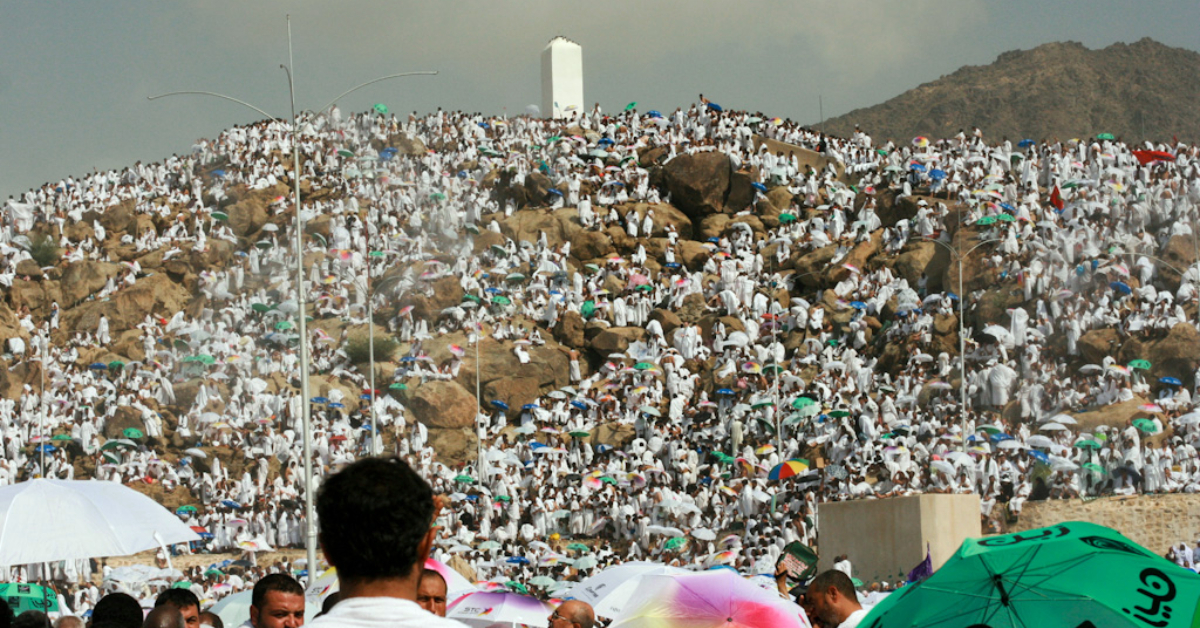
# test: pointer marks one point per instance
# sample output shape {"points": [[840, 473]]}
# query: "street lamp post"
{"points": [[962, 339], [309, 510]]}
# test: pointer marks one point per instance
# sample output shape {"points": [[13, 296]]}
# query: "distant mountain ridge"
{"points": [[1144, 90]]}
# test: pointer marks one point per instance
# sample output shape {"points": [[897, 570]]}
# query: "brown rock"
{"points": [[1096, 344], [29, 268], [669, 320], [741, 194], [616, 339], [699, 183], [445, 405], [923, 257], [692, 254], [1175, 355], [713, 226], [569, 330], [82, 279], [126, 417], [79, 231]]}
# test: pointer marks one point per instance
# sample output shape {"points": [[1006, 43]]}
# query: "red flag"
{"points": [[1056, 199]]}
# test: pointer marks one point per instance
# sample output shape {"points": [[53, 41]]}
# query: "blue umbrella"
{"points": [[319, 400], [499, 404], [654, 113], [996, 438], [579, 405], [1040, 456], [714, 239], [858, 305], [554, 191], [1171, 381], [917, 167], [493, 290], [366, 396], [518, 560], [758, 186], [98, 366], [46, 448], [1008, 207], [671, 265], [218, 173], [714, 106], [604, 448], [725, 391], [366, 427], [337, 405], [529, 406], [1121, 286], [605, 140], [937, 175], [205, 535], [406, 359], [229, 503], [1025, 143], [533, 444]]}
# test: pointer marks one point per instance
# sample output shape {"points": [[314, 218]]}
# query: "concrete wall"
{"points": [[1152, 521], [885, 538], [562, 78]]}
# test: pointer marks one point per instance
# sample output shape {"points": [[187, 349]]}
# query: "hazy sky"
{"points": [[74, 76]]}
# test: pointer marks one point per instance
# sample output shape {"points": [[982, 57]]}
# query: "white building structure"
{"points": [[562, 78]]}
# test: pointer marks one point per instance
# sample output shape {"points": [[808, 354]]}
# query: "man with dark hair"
{"points": [[6, 614], [209, 619], [431, 593], [165, 616], [117, 610], [573, 614], [834, 602], [185, 602], [31, 619], [277, 602], [376, 528], [69, 621]]}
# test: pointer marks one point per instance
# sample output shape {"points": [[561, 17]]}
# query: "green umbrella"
{"points": [[117, 442], [214, 572], [837, 414], [182, 584], [472, 228], [642, 366], [761, 404], [1105, 136], [723, 457], [517, 586], [375, 254], [630, 106], [675, 543], [264, 244], [61, 437], [515, 277], [345, 153], [1006, 218], [1093, 467], [472, 297], [1087, 443], [543, 581], [23, 597], [380, 108], [111, 457], [1140, 364], [398, 386], [261, 308], [592, 267], [132, 432], [116, 365], [1146, 425], [503, 498], [465, 479], [501, 300], [220, 216], [282, 325], [801, 402], [579, 434], [587, 309], [609, 480], [188, 508], [579, 547], [786, 218], [1068, 575], [986, 220]]}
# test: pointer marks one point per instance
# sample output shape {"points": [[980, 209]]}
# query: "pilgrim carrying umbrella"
{"points": [[1064, 576]]}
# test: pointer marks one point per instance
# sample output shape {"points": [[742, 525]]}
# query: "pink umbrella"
{"points": [[718, 599], [494, 607]]}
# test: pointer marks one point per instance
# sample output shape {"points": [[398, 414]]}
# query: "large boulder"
{"points": [[616, 339], [569, 330], [155, 294], [921, 257], [454, 446], [84, 278], [1096, 344], [444, 405], [1175, 355], [699, 183]]}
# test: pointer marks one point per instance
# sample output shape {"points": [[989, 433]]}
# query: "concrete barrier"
{"points": [[885, 538]]}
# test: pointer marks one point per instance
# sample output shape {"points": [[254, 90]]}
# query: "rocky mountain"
{"points": [[1058, 90]]}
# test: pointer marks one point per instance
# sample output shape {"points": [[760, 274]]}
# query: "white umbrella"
{"points": [[487, 608], [1053, 427], [711, 598], [609, 590], [704, 534], [1037, 440], [52, 520]]}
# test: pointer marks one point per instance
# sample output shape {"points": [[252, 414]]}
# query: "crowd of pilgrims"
{"points": [[1078, 226]]}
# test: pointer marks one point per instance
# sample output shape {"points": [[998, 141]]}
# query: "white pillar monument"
{"points": [[562, 78]]}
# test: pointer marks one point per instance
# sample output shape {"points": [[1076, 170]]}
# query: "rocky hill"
{"points": [[1058, 90]]}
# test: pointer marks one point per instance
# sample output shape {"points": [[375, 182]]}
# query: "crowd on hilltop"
{"points": [[1077, 229]]}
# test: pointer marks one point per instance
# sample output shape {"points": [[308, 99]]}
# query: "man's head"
{"points": [[277, 602], [209, 619], [68, 621], [185, 602], [31, 619], [831, 597], [431, 592], [396, 501], [6, 614], [165, 616], [573, 614], [117, 610]]}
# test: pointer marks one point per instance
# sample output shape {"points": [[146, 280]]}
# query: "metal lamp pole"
{"points": [[309, 509], [962, 338]]}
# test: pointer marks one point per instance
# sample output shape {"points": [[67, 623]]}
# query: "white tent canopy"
{"points": [[51, 520]]}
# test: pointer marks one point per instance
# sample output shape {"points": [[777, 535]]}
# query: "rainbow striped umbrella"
{"points": [[788, 468], [720, 598]]}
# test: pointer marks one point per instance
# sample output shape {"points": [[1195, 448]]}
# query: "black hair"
{"points": [[836, 579], [274, 582], [6, 614], [117, 610], [373, 516], [31, 619], [179, 598]]}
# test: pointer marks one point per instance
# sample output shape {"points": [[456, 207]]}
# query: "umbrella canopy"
{"points": [[497, 607], [23, 597], [718, 598], [51, 520], [1060, 576], [610, 590]]}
